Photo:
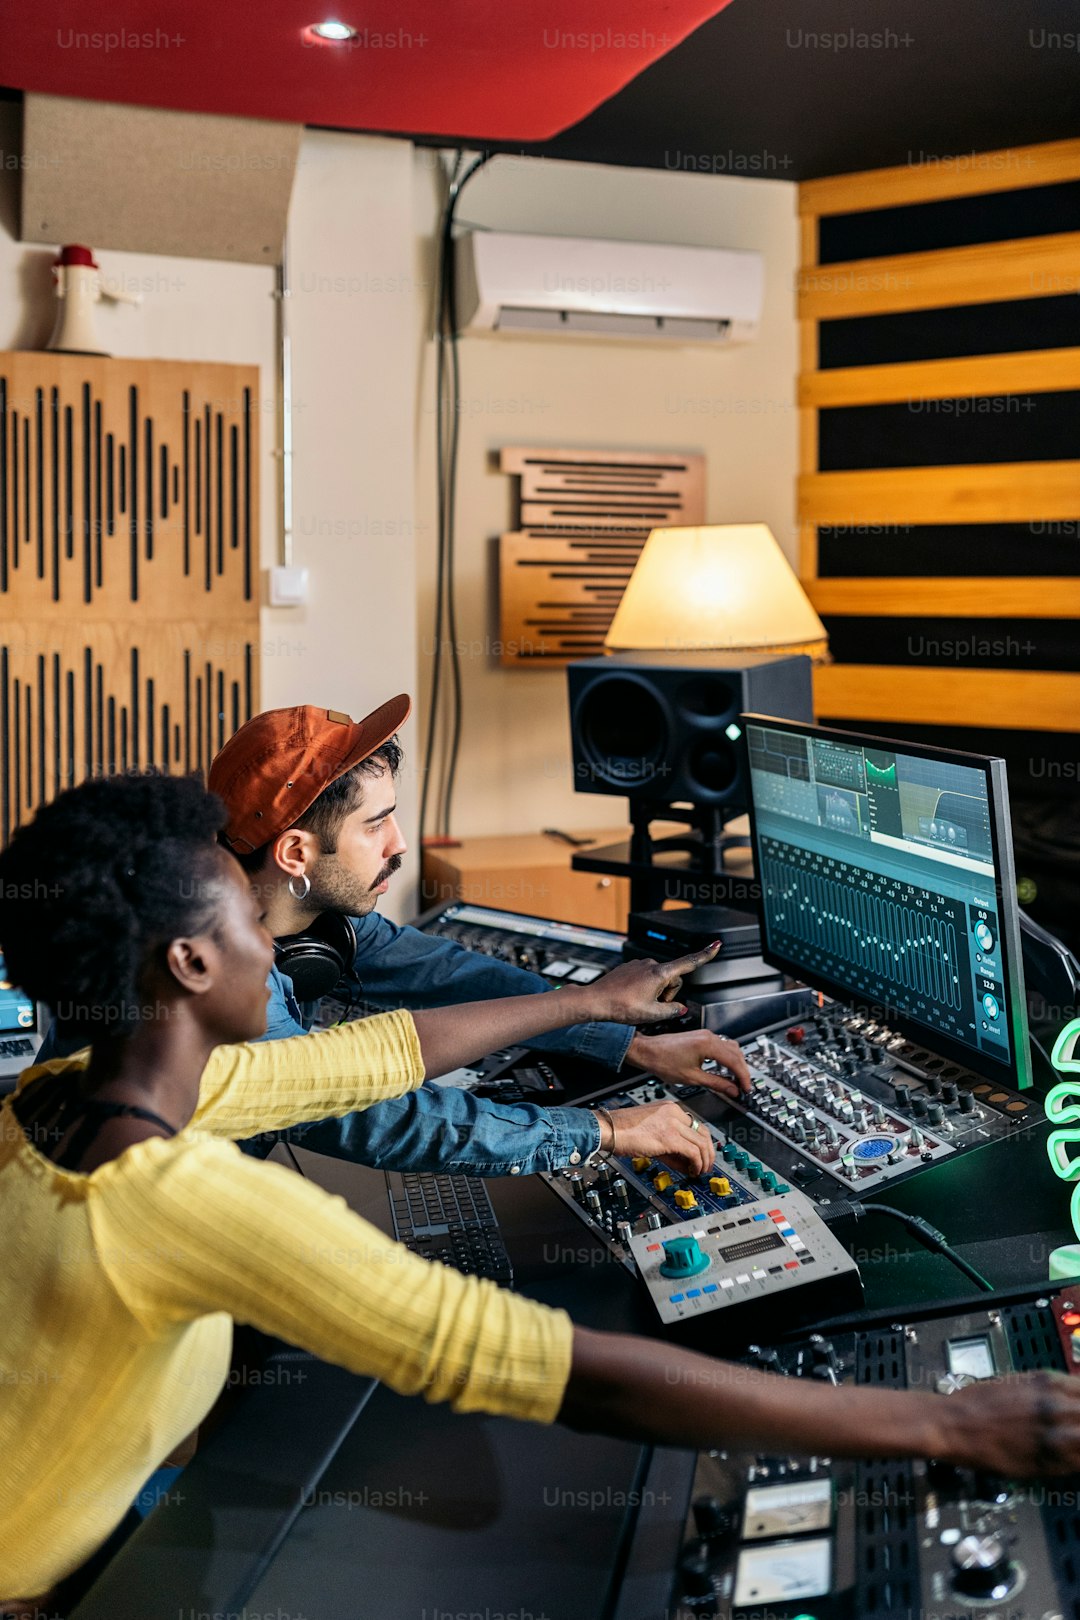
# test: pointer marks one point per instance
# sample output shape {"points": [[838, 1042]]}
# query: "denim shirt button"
{"points": [[515, 1169], [575, 1157]]}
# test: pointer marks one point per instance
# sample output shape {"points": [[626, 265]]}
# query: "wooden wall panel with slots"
{"points": [[129, 568]]}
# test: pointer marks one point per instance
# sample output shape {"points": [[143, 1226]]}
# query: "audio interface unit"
{"points": [[751, 1262], [789, 1536]]}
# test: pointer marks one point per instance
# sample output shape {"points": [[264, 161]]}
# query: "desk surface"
{"points": [[329, 1498]]}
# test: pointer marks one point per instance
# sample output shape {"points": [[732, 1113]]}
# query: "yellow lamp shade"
{"points": [[725, 586]]}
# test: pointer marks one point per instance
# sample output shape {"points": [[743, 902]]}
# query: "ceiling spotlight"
{"points": [[336, 32]]}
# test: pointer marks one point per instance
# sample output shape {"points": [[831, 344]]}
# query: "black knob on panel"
{"points": [[711, 1517], [695, 1575], [902, 1093], [967, 1103], [919, 1104], [949, 1091], [933, 1085], [935, 1113]]}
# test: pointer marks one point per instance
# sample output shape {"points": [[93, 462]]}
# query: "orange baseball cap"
{"points": [[274, 768]]}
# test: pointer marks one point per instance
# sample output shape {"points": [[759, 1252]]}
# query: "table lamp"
{"points": [[725, 586]]}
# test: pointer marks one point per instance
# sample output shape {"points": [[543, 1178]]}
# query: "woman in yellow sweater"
{"points": [[135, 1232]]}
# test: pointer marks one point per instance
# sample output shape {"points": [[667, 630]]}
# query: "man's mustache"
{"points": [[393, 865]]}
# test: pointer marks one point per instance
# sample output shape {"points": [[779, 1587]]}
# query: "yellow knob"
{"points": [[685, 1199], [662, 1182], [720, 1185], [641, 1162]]}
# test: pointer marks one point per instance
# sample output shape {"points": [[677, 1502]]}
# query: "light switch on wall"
{"points": [[288, 586]]}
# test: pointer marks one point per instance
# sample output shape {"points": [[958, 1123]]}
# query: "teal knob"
{"points": [[731, 1152], [753, 1170], [768, 1181], [683, 1257]]}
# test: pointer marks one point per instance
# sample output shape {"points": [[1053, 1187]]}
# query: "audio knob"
{"points": [[981, 1567], [625, 1230], [935, 1113], [621, 1190], [592, 1201], [766, 1358], [948, 1091], [577, 1186], [654, 1220], [683, 1257], [606, 1174], [696, 1579], [933, 1085], [902, 1093], [919, 1105], [967, 1103], [711, 1517]]}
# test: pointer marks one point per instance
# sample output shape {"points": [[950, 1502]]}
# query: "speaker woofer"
{"points": [[624, 732]]}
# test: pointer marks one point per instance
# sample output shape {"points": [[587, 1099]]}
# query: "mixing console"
{"points": [[864, 1106], [791, 1536], [841, 1108]]}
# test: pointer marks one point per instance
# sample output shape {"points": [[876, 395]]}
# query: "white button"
{"points": [[515, 1169], [575, 1157]]}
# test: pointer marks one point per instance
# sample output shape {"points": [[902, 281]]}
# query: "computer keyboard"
{"points": [[449, 1218], [17, 1047]]}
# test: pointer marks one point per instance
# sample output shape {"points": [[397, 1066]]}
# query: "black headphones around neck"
{"points": [[319, 956]]}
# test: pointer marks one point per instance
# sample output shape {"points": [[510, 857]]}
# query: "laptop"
{"points": [[22, 1029]]}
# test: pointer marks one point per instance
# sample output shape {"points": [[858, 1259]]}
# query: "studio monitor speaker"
{"points": [[665, 727], [154, 180]]}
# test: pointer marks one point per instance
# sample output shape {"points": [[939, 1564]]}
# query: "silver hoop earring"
{"points": [[305, 891]]}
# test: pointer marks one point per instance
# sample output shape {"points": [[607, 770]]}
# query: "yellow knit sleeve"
{"points": [[194, 1226], [268, 1085]]}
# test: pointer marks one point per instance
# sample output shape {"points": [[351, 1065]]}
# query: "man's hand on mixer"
{"points": [[677, 1059]]}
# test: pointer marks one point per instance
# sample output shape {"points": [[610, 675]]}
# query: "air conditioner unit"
{"points": [[570, 286]]}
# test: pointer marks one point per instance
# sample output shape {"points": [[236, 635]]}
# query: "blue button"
{"points": [[787, 1231], [693, 1293], [709, 1288], [676, 1299], [761, 1217]]}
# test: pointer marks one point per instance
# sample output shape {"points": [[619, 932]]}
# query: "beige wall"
{"points": [[737, 406]]}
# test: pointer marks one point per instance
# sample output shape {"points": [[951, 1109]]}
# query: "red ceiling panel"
{"points": [[487, 69]]}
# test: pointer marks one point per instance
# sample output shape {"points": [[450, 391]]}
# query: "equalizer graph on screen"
{"points": [[857, 923]]}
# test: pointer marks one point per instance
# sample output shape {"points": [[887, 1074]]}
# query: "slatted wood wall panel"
{"points": [[584, 517], [129, 568], [939, 489]]}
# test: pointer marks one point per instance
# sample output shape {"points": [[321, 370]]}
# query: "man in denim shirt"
{"points": [[311, 817]]}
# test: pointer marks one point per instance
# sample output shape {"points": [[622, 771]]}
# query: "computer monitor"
{"points": [[18, 1013], [886, 877]]}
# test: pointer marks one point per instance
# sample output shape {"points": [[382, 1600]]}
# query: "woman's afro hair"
{"points": [[101, 879]]}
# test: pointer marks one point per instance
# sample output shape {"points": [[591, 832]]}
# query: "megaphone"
{"points": [[78, 289]]}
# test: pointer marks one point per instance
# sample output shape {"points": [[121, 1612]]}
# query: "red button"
{"points": [[1071, 1318], [775, 1212], [649, 1247], [791, 1265]]}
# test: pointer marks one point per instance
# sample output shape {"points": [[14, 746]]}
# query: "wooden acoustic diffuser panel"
{"points": [[584, 517], [940, 450], [128, 568]]}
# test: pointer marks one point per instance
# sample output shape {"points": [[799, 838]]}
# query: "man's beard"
{"points": [[335, 890]]}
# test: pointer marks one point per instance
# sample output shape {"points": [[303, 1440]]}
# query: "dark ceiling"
{"points": [[793, 89]]}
